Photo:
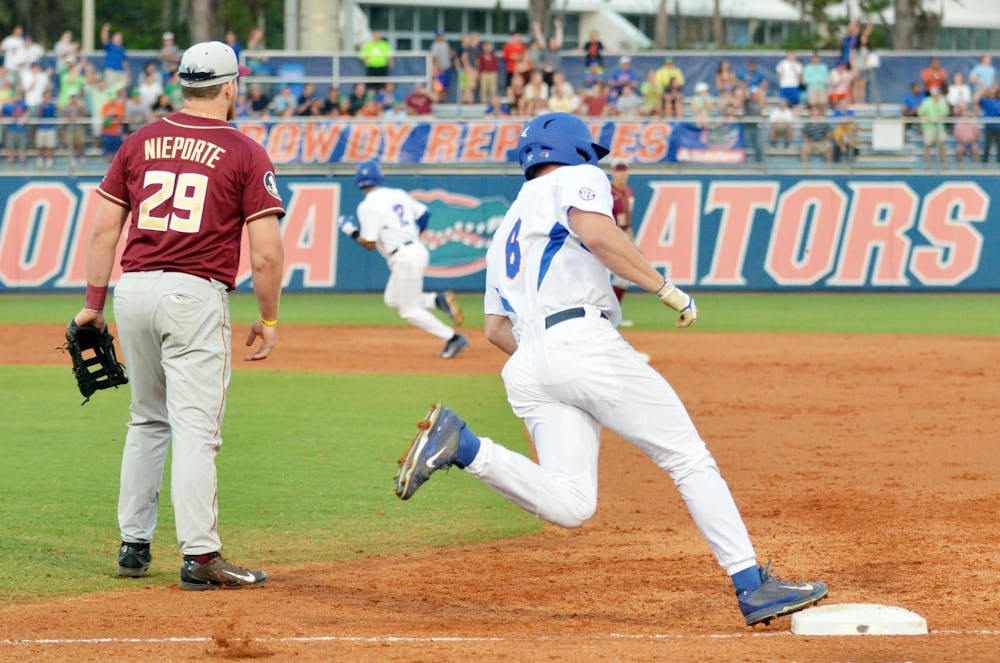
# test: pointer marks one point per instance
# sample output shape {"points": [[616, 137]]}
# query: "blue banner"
{"points": [[823, 233], [708, 142]]}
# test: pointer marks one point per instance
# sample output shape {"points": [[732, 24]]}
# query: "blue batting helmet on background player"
{"points": [[557, 138], [369, 174]]}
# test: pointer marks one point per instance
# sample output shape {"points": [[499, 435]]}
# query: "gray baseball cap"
{"points": [[209, 63]]}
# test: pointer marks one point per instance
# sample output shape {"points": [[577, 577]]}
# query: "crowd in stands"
{"points": [[806, 108], [75, 105]]}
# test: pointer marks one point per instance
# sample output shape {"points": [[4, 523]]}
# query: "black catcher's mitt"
{"points": [[95, 365]]}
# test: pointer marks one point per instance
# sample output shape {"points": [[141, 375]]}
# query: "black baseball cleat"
{"points": [[217, 573], [134, 559]]}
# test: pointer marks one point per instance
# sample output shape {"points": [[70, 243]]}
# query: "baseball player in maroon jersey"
{"points": [[189, 182]]}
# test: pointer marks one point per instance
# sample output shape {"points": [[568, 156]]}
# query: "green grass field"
{"points": [[307, 465], [874, 313]]}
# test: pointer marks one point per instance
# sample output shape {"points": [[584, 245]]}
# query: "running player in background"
{"points": [[622, 203], [549, 305], [191, 182], [391, 220]]}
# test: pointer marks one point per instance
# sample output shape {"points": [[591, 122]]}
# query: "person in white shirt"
{"points": [[66, 48], [550, 306], [789, 73], [11, 48], [390, 220], [30, 53], [150, 87], [781, 119], [959, 93], [34, 82]]}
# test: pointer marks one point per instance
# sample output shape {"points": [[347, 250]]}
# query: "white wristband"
{"points": [[665, 290]]}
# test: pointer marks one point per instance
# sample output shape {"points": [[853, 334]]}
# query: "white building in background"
{"points": [[626, 25]]}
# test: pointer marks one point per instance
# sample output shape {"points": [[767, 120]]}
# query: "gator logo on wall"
{"points": [[460, 230]]}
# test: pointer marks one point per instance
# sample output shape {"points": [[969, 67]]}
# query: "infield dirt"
{"points": [[868, 462]]}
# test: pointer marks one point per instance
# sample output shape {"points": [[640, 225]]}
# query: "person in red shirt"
{"points": [[488, 69], [595, 100], [513, 51], [188, 184], [934, 75], [419, 101]]}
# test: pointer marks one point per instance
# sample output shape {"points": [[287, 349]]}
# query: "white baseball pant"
{"points": [[568, 381], [405, 290]]}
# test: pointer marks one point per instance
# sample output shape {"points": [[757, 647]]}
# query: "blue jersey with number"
{"points": [[536, 265]]}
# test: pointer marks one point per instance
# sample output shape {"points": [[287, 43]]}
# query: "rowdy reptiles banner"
{"points": [[711, 233], [438, 142]]}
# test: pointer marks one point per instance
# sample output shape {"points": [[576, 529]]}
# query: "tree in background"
{"points": [[142, 22]]}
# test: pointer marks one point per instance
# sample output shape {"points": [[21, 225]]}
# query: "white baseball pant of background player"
{"points": [[390, 220]]}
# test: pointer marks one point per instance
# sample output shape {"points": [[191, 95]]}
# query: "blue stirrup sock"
{"points": [[468, 447], [746, 580]]}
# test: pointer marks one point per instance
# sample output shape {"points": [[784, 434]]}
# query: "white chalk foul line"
{"points": [[414, 639]]}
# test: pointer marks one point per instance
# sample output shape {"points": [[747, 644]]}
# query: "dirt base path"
{"points": [[867, 462]]}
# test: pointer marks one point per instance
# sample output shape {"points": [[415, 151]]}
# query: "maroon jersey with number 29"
{"points": [[190, 184]]}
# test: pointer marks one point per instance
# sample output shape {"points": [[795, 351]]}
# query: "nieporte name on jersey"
{"points": [[188, 149]]}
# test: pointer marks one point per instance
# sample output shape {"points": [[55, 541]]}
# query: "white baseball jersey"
{"points": [[536, 265], [388, 217]]}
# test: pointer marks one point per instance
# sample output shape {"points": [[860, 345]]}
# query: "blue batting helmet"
{"points": [[557, 138], [369, 174]]}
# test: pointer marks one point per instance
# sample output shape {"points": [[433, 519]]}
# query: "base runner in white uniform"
{"points": [[549, 305], [391, 220]]}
